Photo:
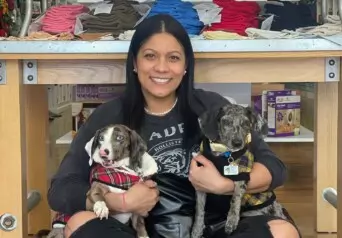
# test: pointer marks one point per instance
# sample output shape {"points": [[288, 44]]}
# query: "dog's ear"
{"points": [[95, 143], [259, 124], [209, 121], [137, 149], [91, 146]]}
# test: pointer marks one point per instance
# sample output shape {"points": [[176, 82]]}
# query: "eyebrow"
{"points": [[174, 51]]}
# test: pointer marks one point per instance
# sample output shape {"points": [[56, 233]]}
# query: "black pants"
{"points": [[251, 227]]}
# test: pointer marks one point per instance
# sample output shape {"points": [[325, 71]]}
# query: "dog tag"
{"points": [[231, 169]]}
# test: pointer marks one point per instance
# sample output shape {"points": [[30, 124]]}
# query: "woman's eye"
{"points": [[174, 58], [149, 56]]}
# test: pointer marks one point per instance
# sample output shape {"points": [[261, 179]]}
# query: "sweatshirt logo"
{"points": [[169, 154]]}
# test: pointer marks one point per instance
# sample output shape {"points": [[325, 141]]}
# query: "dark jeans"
{"points": [[251, 227]]}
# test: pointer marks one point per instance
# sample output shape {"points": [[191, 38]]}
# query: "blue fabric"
{"points": [[181, 11]]}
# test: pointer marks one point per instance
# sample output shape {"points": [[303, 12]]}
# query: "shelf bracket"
{"points": [[2, 72], [30, 72], [332, 69]]}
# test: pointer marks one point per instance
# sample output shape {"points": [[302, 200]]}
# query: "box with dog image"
{"points": [[282, 111]]}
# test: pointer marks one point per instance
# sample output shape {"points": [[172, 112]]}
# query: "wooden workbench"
{"points": [[24, 121]]}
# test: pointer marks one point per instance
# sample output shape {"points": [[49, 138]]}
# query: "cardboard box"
{"points": [[283, 112], [281, 109]]}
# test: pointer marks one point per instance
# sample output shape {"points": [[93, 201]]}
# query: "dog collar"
{"points": [[227, 154], [234, 155], [231, 156]]}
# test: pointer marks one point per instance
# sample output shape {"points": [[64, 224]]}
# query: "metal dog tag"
{"points": [[231, 169]]}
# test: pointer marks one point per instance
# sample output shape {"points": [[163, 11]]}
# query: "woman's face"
{"points": [[160, 65]]}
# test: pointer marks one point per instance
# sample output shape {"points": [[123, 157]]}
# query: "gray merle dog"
{"points": [[227, 134]]}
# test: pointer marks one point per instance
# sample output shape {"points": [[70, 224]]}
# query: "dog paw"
{"points": [[101, 210], [230, 226], [56, 233]]}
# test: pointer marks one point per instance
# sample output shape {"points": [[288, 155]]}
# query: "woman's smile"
{"points": [[160, 80]]}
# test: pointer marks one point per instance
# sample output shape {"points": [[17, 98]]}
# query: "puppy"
{"points": [[120, 160], [122, 152], [227, 131]]}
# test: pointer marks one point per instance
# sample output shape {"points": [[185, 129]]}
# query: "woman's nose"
{"points": [[161, 66]]}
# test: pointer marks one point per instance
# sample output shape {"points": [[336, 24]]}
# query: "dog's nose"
{"points": [[104, 152], [237, 142]]}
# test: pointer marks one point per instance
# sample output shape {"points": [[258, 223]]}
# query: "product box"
{"points": [[281, 109], [92, 92], [257, 90]]}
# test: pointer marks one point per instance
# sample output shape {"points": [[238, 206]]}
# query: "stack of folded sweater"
{"points": [[62, 19], [180, 10], [290, 16], [121, 18], [236, 16]]}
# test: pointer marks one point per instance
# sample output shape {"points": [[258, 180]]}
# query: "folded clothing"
{"points": [[62, 19], [221, 35], [181, 11], [290, 16], [122, 17], [236, 16]]}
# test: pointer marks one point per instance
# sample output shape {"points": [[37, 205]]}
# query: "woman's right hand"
{"points": [[141, 198]]}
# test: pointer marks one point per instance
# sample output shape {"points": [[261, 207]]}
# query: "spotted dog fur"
{"points": [[230, 125]]}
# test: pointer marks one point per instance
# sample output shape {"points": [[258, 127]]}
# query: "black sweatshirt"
{"points": [[67, 193]]}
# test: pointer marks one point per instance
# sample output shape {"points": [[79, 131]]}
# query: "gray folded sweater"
{"points": [[121, 18]]}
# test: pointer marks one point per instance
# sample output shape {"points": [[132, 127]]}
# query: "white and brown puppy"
{"points": [[120, 149]]}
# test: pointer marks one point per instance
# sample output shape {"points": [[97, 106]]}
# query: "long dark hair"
{"points": [[133, 101]]}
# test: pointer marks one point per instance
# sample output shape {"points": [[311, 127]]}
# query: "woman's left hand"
{"points": [[206, 178]]}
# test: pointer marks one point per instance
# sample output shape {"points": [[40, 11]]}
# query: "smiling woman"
{"points": [[160, 66]]}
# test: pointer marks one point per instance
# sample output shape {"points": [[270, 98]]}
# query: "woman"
{"points": [[161, 103]]}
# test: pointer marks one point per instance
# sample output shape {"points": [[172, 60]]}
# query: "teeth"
{"points": [[161, 80]]}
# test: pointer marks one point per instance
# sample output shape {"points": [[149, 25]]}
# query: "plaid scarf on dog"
{"points": [[256, 200], [115, 177], [118, 178]]}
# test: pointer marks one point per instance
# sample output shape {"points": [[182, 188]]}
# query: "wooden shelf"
{"points": [[305, 136], [65, 140], [97, 71]]}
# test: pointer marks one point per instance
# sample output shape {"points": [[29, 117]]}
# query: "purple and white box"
{"points": [[282, 112]]}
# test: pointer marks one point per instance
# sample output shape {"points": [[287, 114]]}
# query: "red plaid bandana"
{"points": [[113, 177], [109, 176]]}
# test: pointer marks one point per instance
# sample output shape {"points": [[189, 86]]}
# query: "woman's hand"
{"points": [[141, 198], [206, 178]]}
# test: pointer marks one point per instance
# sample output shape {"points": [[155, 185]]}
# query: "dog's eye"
{"points": [[119, 137], [101, 138]]}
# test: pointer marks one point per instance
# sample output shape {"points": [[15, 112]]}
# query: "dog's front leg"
{"points": [[233, 217], [96, 200], [138, 224], [56, 232], [198, 226]]}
